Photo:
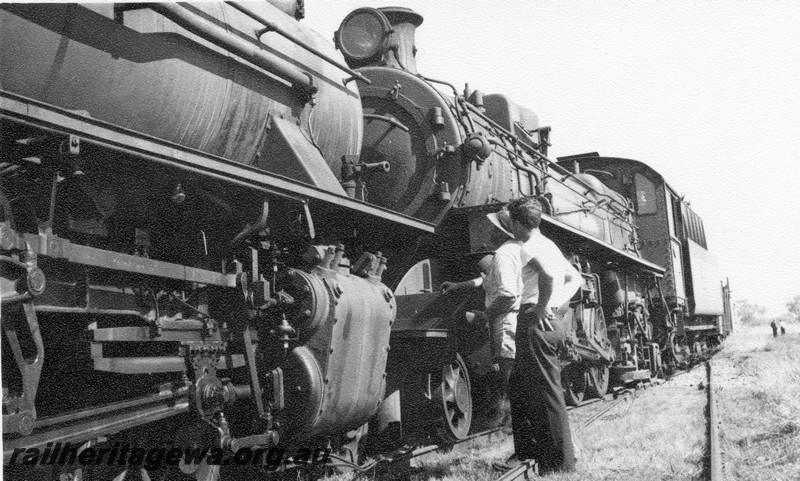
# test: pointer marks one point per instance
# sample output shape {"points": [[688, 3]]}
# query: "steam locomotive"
{"points": [[219, 231]]}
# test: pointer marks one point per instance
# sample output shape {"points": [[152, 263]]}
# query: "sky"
{"points": [[707, 93]]}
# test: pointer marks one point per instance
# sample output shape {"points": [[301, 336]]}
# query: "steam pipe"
{"points": [[388, 119], [273, 27], [220, 37]]}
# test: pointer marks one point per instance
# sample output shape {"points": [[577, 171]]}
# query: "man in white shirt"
{"points": [[538, 413], [503, 285]]}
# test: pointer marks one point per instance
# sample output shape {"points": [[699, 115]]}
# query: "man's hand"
{"points": [[448, 287], [476, 317], [543, 316]]}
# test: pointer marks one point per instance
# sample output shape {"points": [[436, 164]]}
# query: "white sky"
{"points": [[707, 93]]}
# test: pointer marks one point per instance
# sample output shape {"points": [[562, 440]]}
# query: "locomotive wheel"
{"points": [[598, 380], [574, 381], [456, 400], [671, 353]]}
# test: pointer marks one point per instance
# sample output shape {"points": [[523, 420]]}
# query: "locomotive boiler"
{"points": [[218, 230]]}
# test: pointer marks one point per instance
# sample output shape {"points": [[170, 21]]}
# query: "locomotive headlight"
{"points": [[363, 35]]}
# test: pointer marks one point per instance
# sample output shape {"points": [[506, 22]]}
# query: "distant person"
{"points": [[783, 328], [774, 326]]}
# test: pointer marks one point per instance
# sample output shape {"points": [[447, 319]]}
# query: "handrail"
{"points": [[217, 35], [273, 27], [388, 119], [555, 165]]}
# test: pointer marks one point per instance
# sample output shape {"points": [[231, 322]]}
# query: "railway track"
{"points": [[388, 460], [528, 469], [715, 467], [613, 399]]}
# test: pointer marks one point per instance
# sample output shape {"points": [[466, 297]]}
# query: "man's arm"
{"points": [[573, 280], [547, 271], [448, 286], [552, 268], [501, 306]]}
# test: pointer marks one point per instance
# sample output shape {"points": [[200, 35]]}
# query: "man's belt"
{"points": [[524, 307], [523, 313]]}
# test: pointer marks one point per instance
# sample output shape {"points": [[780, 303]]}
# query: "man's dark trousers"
{"points": [[538, 413]]}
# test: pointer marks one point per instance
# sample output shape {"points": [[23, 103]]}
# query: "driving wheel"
{"points": [[456, 400], [573, 379], [598, 380]]}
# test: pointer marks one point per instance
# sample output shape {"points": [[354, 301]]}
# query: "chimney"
{"points": [[402, 52]]}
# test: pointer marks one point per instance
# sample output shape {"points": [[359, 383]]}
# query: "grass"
{"points": [[759, 401], [660, 435]]}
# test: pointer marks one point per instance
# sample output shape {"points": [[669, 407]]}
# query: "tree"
{"points": [[749, 313], [793, 307]]}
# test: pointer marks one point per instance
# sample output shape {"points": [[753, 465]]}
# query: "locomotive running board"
{"points": [[599, 243], [479, 228], [58, 248], [49, 117]]}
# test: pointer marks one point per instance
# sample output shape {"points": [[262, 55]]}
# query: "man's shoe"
{"points": [[512, 462]]}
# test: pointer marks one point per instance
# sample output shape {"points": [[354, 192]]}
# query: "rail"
{"points": [[716, 472], [413, 453], [520, 471], [523, 470], [529, 468]]}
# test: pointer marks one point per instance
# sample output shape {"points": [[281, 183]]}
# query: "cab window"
{"points": [[673, 215], [645, 195]]}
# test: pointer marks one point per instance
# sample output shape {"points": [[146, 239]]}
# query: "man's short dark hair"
{"points": [[527, 211]]}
